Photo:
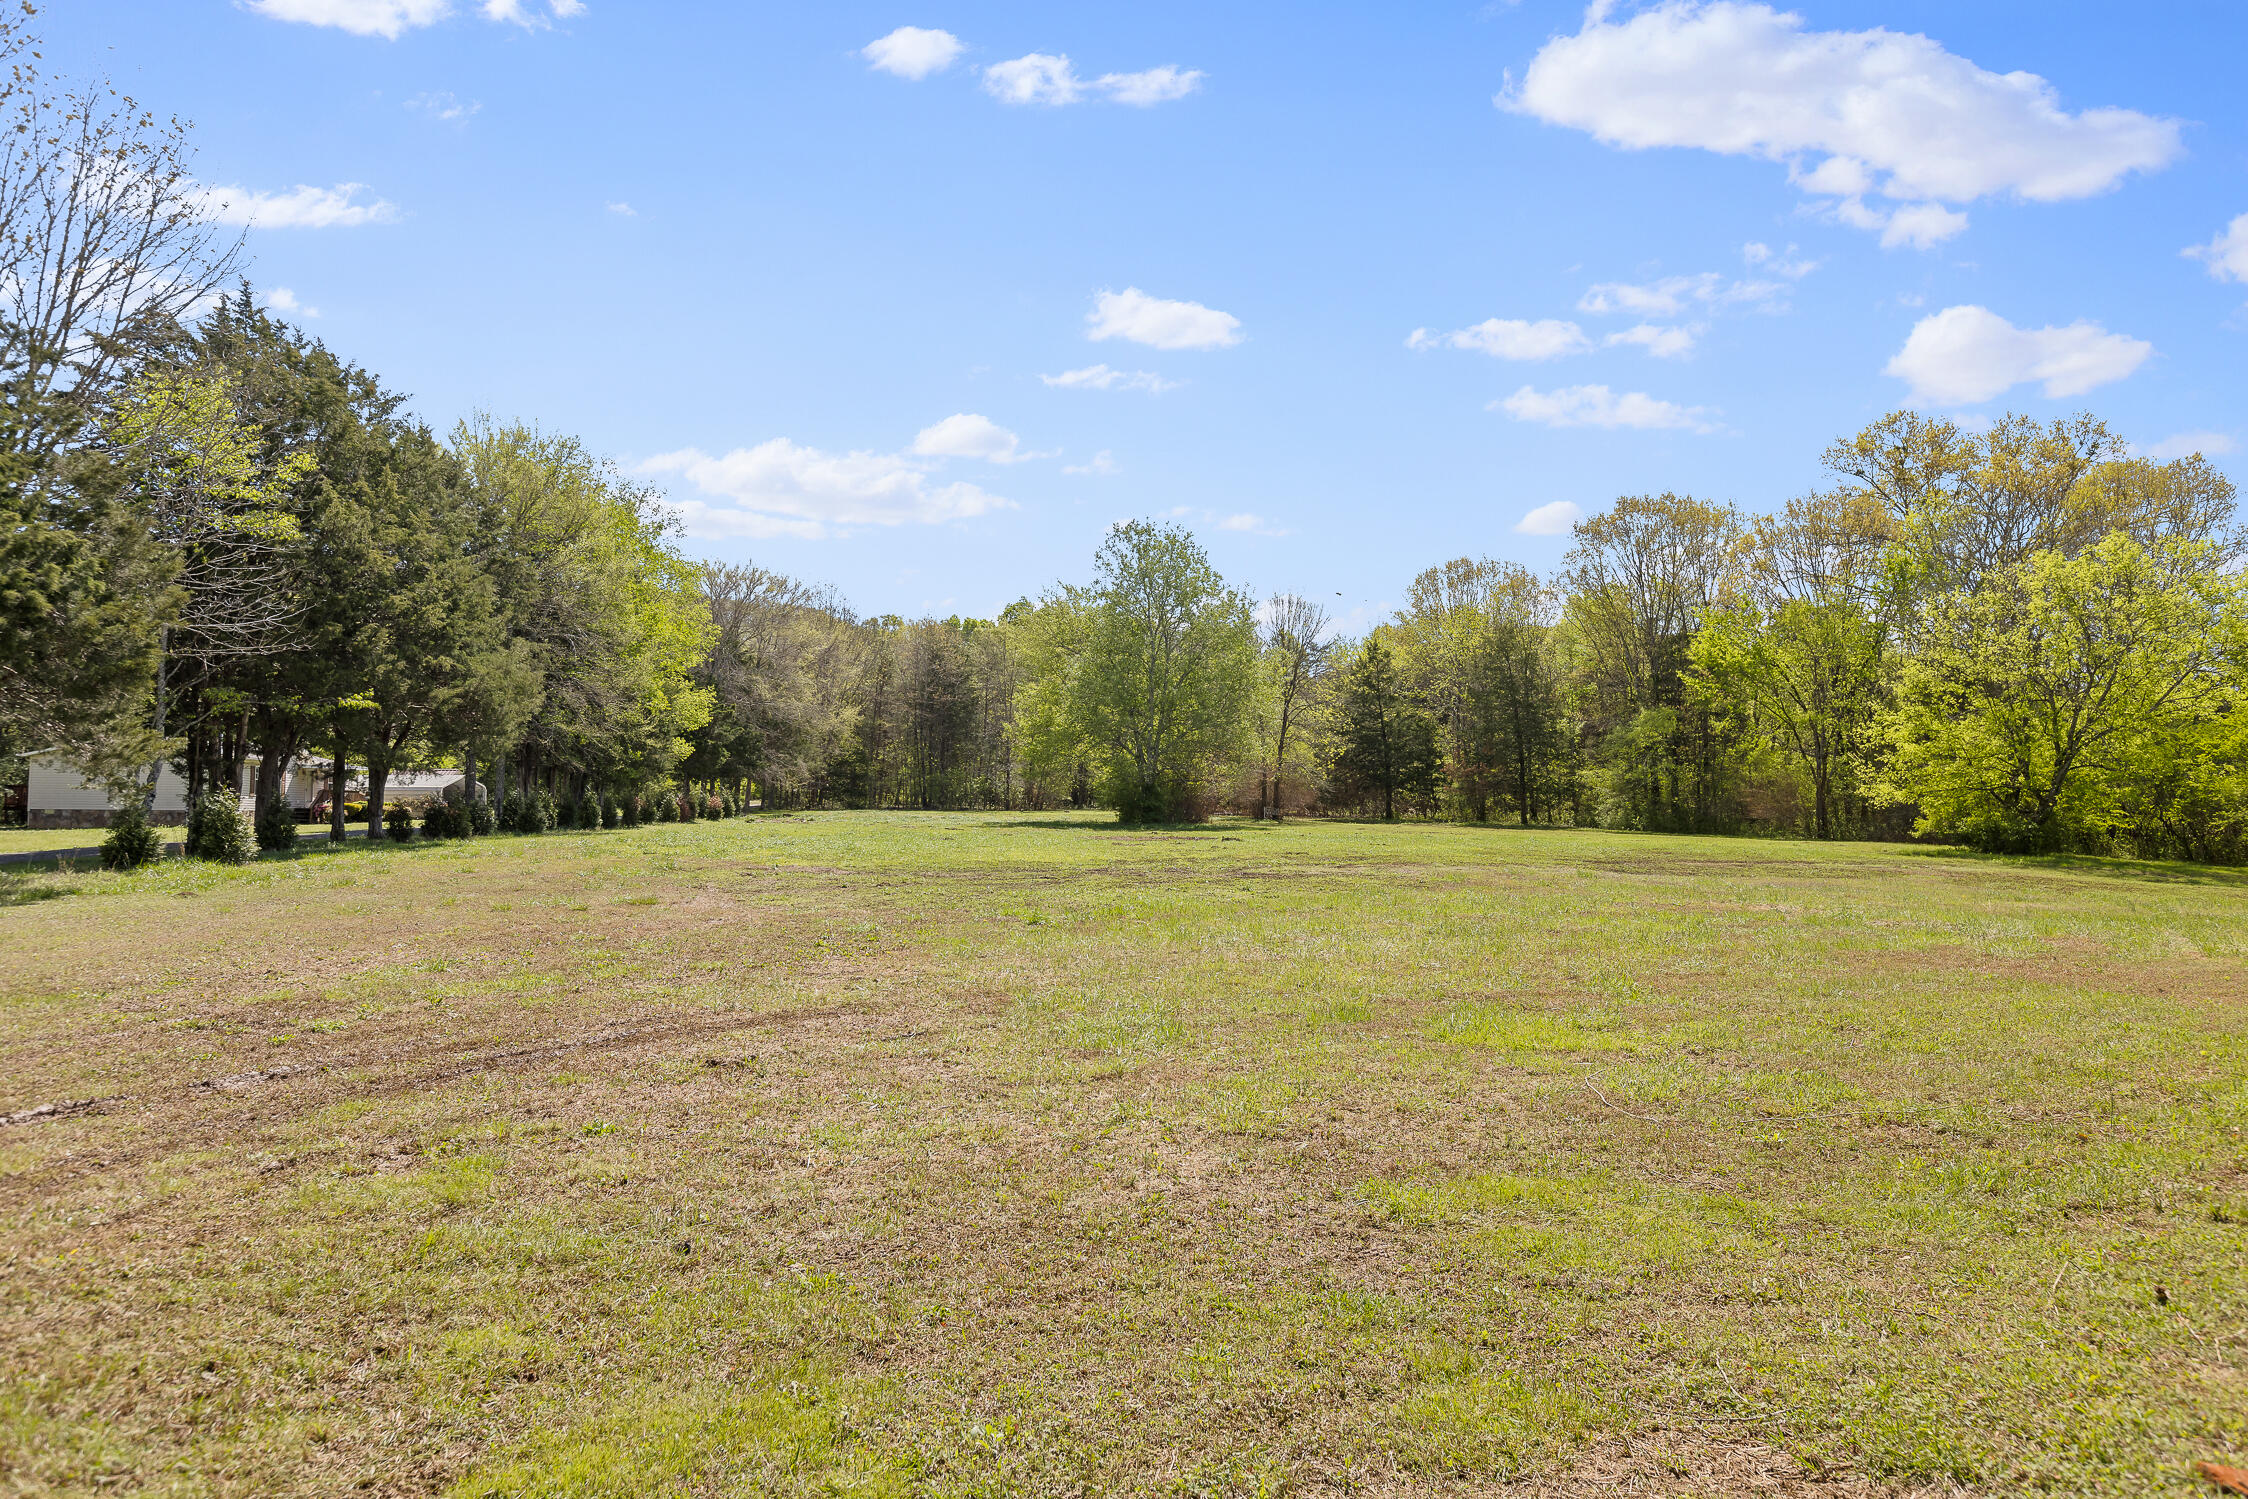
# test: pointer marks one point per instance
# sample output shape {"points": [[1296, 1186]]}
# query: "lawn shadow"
{"points": [[2144, 871]]}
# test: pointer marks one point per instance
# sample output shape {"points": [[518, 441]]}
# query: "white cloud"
{"points": [[525, 13], [967, 435], [1555, 519], [281, 299], [913, 52], [1779, 263], [1509, 338], [1101, 377], [301, 207], [392, 18], [1133, 314], [779, 488], [1598, 406], [1155, 86], [443, 106], [2186, 444], [1663, 343], [1100, 465], [2227, 254], [1922, 226], [622, 210], [1672, 295], [383, 18], [1962, 355], [1039, 78], [1848, 112], [1048, 78]]}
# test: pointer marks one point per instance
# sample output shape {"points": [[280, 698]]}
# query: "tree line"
{"points": [[220, 541]]}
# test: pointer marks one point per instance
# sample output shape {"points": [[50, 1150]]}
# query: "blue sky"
{"points": [[1373, 282]]}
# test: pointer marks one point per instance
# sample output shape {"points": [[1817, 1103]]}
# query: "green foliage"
{"points": [[131, 841], [2041, 705], [1385, 745], [667, 808], [628, 811], [587, 813], [611, 816], [277, 828], [1150, 675], [445, 819], [398, 821], [217, 830], [483, 818]]}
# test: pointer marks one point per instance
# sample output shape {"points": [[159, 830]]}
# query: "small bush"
{"points": [[549, 814], [589, 813], [628, 811], [131, 841], [216, 829], [482, 820], [611, 817], [667, 809], [354, 811], [443, 819], [398, 821], [277, 828]]}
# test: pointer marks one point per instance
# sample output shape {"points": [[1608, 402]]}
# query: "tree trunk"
{"points": [[274, 755], [338, 770], [378, 782]]}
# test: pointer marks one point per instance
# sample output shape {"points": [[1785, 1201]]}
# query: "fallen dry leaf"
{"points": [[2231, 1480]]}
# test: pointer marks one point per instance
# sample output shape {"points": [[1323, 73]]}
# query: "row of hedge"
{"points": [[218, 832]]}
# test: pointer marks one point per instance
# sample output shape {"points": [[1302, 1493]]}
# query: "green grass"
{"points": [[969, 1155]]}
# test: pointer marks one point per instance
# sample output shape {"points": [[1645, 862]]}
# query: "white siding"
{"points": [[56, 788]]}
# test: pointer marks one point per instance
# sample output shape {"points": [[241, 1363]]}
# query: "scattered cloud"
{"points": [[1254, 525], [1674, 294], [1133, 314], [383, 18], [1779, 263], [622, 210], [1154, 86], [2227, 254], [780, 488], [1509, 338], [301, 207], [390, 19], [1555, 519], [1963, 355], [2186, 444], [526, 13], [1850, 114], [443, 106], [281, 299], [1100, 465], [1101, 377], [1664, 343], [1048, 78], [1598, 406], [967, 435], [1039, 78], [912, 52]]}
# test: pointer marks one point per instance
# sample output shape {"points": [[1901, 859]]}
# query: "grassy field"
{"points": [[980, 1154]]}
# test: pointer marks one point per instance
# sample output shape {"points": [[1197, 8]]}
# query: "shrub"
{"points": [[277, 828], [482, 820], [131, 841], [628, 811], [216, 829], [610, 817], [398, 821], [443, 819], [589, 813], [354, 811], [549, 813], [667, 809]]}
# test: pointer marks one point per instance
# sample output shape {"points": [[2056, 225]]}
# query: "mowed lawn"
{"points": [[861, 1153]]}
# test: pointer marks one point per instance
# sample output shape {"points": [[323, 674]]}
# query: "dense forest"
{"points": [[221, 541]]}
